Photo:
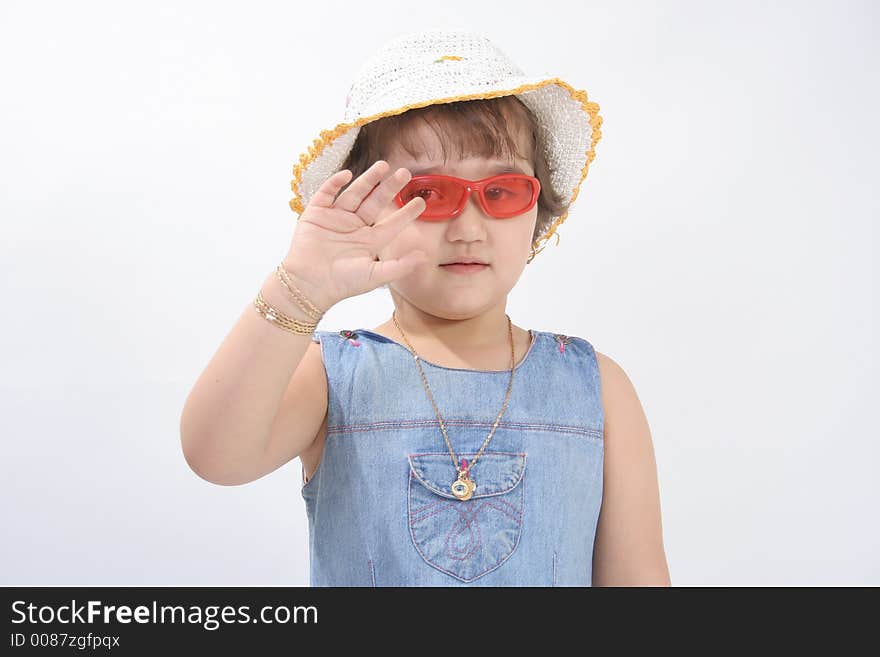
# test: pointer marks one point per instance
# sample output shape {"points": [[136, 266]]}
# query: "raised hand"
{"points": [[333, 254]]}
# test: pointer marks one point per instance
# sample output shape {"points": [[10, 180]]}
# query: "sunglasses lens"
{"points": [[441, 196], [509, 196], [505, 197]]}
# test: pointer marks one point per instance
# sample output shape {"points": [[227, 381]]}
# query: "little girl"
{"points": [[446, 446]]}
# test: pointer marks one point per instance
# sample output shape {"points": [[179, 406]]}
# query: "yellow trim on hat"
{"points": [[328, 136]]}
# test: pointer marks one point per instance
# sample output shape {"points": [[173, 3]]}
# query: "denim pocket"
{"points": [[466, 539]]}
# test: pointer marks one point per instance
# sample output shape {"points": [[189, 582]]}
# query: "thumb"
{"points": [[386, 271]]}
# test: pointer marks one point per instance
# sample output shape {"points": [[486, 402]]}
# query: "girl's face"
{"points": [[505, 244]]}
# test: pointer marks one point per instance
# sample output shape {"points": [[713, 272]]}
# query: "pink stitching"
{"points": [[562, 340], [434, 453], [475, 535], [441, 505], [395, 424], [350, 336]]}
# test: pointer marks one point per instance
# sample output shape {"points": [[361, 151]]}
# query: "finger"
{"points": [[386, 271], [328, 190], [381, 197], [388, 228], [351, 199]]}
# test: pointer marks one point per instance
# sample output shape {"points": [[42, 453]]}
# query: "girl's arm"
{"points": [[628, 549], [257, 404]]}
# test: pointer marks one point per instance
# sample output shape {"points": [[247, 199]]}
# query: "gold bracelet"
{"points": [[296, 294], [278, 318]]}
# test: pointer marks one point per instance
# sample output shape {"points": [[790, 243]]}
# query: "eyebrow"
{"points": [[494, 170]]}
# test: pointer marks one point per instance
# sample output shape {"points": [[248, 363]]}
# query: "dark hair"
{"points": [[483, 127]]}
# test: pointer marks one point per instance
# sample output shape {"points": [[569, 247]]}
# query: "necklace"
{"points": [[463, 486]]}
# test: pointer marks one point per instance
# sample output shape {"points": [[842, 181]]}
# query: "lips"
{"points": [[468, 260], [465, 268]]}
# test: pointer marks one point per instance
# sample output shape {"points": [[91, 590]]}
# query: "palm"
{"points": [[347, 246]]}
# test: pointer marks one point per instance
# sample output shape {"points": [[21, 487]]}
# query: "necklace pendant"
{"points": [[463, 487]]}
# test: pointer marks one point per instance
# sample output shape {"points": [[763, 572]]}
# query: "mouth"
{"points": [[464, 267]]}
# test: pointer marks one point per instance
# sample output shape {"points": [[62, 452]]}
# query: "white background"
{"points": [[721, 250]]}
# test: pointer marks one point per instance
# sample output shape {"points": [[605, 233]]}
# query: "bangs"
{"points": [[491, 128]]}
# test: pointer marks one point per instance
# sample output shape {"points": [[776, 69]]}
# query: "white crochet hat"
{"points": [[442, 66]]}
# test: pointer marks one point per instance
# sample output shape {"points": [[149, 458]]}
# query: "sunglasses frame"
{"points": [[470, 186]]}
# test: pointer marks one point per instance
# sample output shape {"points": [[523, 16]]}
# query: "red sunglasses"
{"points": [[502, 196]]}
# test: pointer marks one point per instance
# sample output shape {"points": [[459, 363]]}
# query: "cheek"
{"points": [[516, 236]]}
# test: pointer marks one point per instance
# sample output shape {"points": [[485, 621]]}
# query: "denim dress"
{"points": [[380, 508]]}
